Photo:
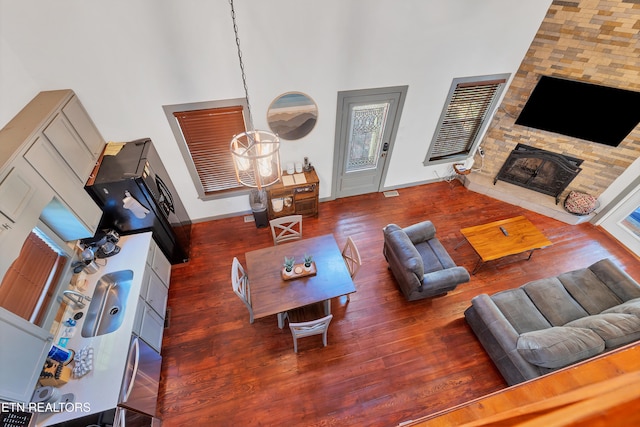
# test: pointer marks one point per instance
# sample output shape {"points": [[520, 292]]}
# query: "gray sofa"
{"points": [[551, 323], [420, 264]]}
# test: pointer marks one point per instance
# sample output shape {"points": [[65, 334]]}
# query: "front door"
{"points": [[366, 125]]}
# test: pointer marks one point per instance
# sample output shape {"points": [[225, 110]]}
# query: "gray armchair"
{"points": [[420, 264]]}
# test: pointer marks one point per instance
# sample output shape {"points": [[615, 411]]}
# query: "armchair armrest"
{"points": [[491, 315], [443, 281], [499, 339]]}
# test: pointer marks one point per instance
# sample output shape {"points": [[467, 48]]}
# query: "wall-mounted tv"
{"points": [[587, 111]]}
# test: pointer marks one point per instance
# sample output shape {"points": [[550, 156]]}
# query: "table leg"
{"points": [[477, 267], [327, 307], [281, 317], [459, 244]]}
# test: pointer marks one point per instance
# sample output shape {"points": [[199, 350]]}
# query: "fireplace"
{"points": [[539, 170]]}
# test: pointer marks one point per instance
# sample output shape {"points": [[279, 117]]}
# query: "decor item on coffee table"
{"points": [[551, 323], [420, 264]]}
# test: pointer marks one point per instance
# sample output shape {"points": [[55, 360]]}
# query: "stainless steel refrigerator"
{"points": [[134, 190]]}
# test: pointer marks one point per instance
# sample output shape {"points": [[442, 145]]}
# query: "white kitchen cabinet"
{"points": [[74, 136], [148, 325], [15, 193], [152, 307], [154, 294], [61, 144], [71, 148], [23, 195], [5, 223], [84, 126], [152, 327], [44, 158], [24, 349], [159, 263]]}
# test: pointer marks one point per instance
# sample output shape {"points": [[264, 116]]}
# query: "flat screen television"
{"points": [[587, 111]]}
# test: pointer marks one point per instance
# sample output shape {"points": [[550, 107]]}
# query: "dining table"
{"points": [[272, 292]]}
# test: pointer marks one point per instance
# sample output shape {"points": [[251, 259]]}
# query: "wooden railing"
{"points": [[601, 391]]}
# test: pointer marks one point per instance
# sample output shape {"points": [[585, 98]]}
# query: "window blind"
{"points": [[208, 134], [28, 279], [465, 115]]}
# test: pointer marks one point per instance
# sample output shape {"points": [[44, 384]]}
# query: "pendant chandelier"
{"points": [[255, 153]]}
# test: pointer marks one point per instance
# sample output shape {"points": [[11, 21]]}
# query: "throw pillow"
{"points": [[580, 203], [559, 346], [615, 329]]}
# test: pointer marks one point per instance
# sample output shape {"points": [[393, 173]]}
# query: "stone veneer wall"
{"points": [[594, 41]]}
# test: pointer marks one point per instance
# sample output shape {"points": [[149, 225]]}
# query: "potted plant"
{"points": [[307, 262], [288, 265]]}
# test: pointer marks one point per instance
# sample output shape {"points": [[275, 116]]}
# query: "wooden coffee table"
{"points": [[502, 238]]}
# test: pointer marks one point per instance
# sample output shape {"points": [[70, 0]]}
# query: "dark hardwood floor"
{"points": [[388, 360]]}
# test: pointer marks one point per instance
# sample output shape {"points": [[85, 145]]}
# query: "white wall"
{"points": [[125, 59]]}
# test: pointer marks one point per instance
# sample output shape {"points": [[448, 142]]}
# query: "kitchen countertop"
{"points": [[99, 389]]}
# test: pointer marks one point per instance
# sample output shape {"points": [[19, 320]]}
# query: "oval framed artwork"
{"points": [[292, 115]]}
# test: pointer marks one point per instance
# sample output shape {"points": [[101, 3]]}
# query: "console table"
{"points": [[297, 198]]}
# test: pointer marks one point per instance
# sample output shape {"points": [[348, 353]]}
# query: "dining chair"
{"points": [[307, 321], [240, 284], [286, 228], [351, 258]]}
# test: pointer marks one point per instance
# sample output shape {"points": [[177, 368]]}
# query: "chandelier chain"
{"points": [[244, 76]]}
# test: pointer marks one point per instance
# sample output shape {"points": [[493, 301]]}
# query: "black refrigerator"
{"points": [[134, 190]]}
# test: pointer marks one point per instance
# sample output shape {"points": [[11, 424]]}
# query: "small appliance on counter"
{"points": [[134, 190], [103, 244]]}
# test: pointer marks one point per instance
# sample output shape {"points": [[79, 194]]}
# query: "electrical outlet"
{"points": [[481, 151]]}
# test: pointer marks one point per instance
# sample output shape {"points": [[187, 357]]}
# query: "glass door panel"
{"points": [[366, 136]]}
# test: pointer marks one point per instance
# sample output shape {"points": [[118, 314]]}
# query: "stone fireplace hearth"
{"points": [[516, 195]]}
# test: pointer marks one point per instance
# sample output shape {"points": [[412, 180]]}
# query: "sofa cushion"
{"points": [[518, 309], [441, 253], [553, 301], [615, 329], [616, 279], [629, 307], [590, 292], [434, 256], [559, 346]]}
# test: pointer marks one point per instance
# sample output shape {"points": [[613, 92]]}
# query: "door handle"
{"points": [[134, 353], [385, 147]]}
